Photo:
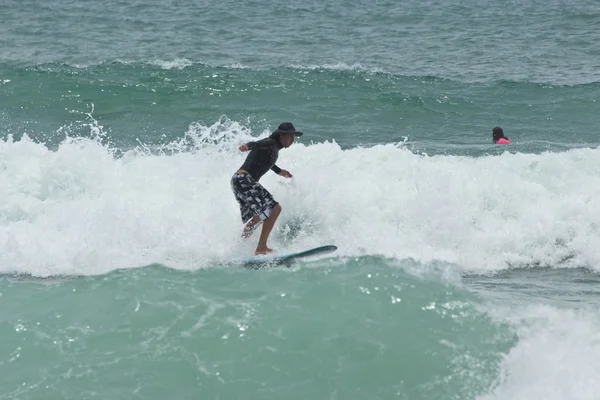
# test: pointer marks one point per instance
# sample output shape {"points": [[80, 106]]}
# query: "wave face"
{"points": [[155, 105]]}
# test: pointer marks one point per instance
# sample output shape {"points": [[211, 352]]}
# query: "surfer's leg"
{"points": [[251, 226], [256, 205], [266, 231]]}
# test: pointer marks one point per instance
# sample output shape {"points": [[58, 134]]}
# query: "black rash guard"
{"points": [[262, 157]]}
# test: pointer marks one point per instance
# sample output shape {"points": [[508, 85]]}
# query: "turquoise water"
{"points": [[464, 270]]}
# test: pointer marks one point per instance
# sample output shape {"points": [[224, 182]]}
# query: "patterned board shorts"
{"points": [[252, 197]]}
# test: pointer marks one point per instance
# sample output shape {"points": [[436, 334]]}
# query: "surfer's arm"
{"points": [[280, 171], [252, 145], [255, 145], [247, 146]]}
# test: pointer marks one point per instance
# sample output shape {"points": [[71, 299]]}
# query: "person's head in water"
{"points": [[498, 136], [286, 133]]}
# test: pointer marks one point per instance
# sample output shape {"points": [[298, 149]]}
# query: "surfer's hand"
{"points": [[285, 173], [243, 147]]}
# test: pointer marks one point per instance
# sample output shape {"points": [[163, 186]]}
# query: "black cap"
{"points": [[286, 127]]}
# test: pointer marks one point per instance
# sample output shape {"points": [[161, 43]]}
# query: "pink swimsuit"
{"points": [[503, 141]]}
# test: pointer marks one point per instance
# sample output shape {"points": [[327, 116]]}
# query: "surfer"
{"points": [[498, 136], [257, 205]]}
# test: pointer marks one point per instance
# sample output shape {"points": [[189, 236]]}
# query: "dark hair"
{"points": [[497, 134]]}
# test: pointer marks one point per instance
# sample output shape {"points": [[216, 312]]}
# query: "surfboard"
{"points": [[269, 260]]}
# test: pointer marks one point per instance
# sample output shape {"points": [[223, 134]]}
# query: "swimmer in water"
{"points": [[498, 136]]}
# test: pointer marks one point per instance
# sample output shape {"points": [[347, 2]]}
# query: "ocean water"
{"points": [[464, 270]]}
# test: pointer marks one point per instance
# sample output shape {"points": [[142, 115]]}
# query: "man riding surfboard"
{"points": [[257, 205]]}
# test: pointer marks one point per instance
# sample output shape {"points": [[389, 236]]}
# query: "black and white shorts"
{"points": [[252, 197]]}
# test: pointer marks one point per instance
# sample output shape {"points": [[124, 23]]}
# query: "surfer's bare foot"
{"points": [[262, 251]]}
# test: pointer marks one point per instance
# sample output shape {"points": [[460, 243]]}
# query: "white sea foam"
{"points": [[79, 209], [557, 356]]}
